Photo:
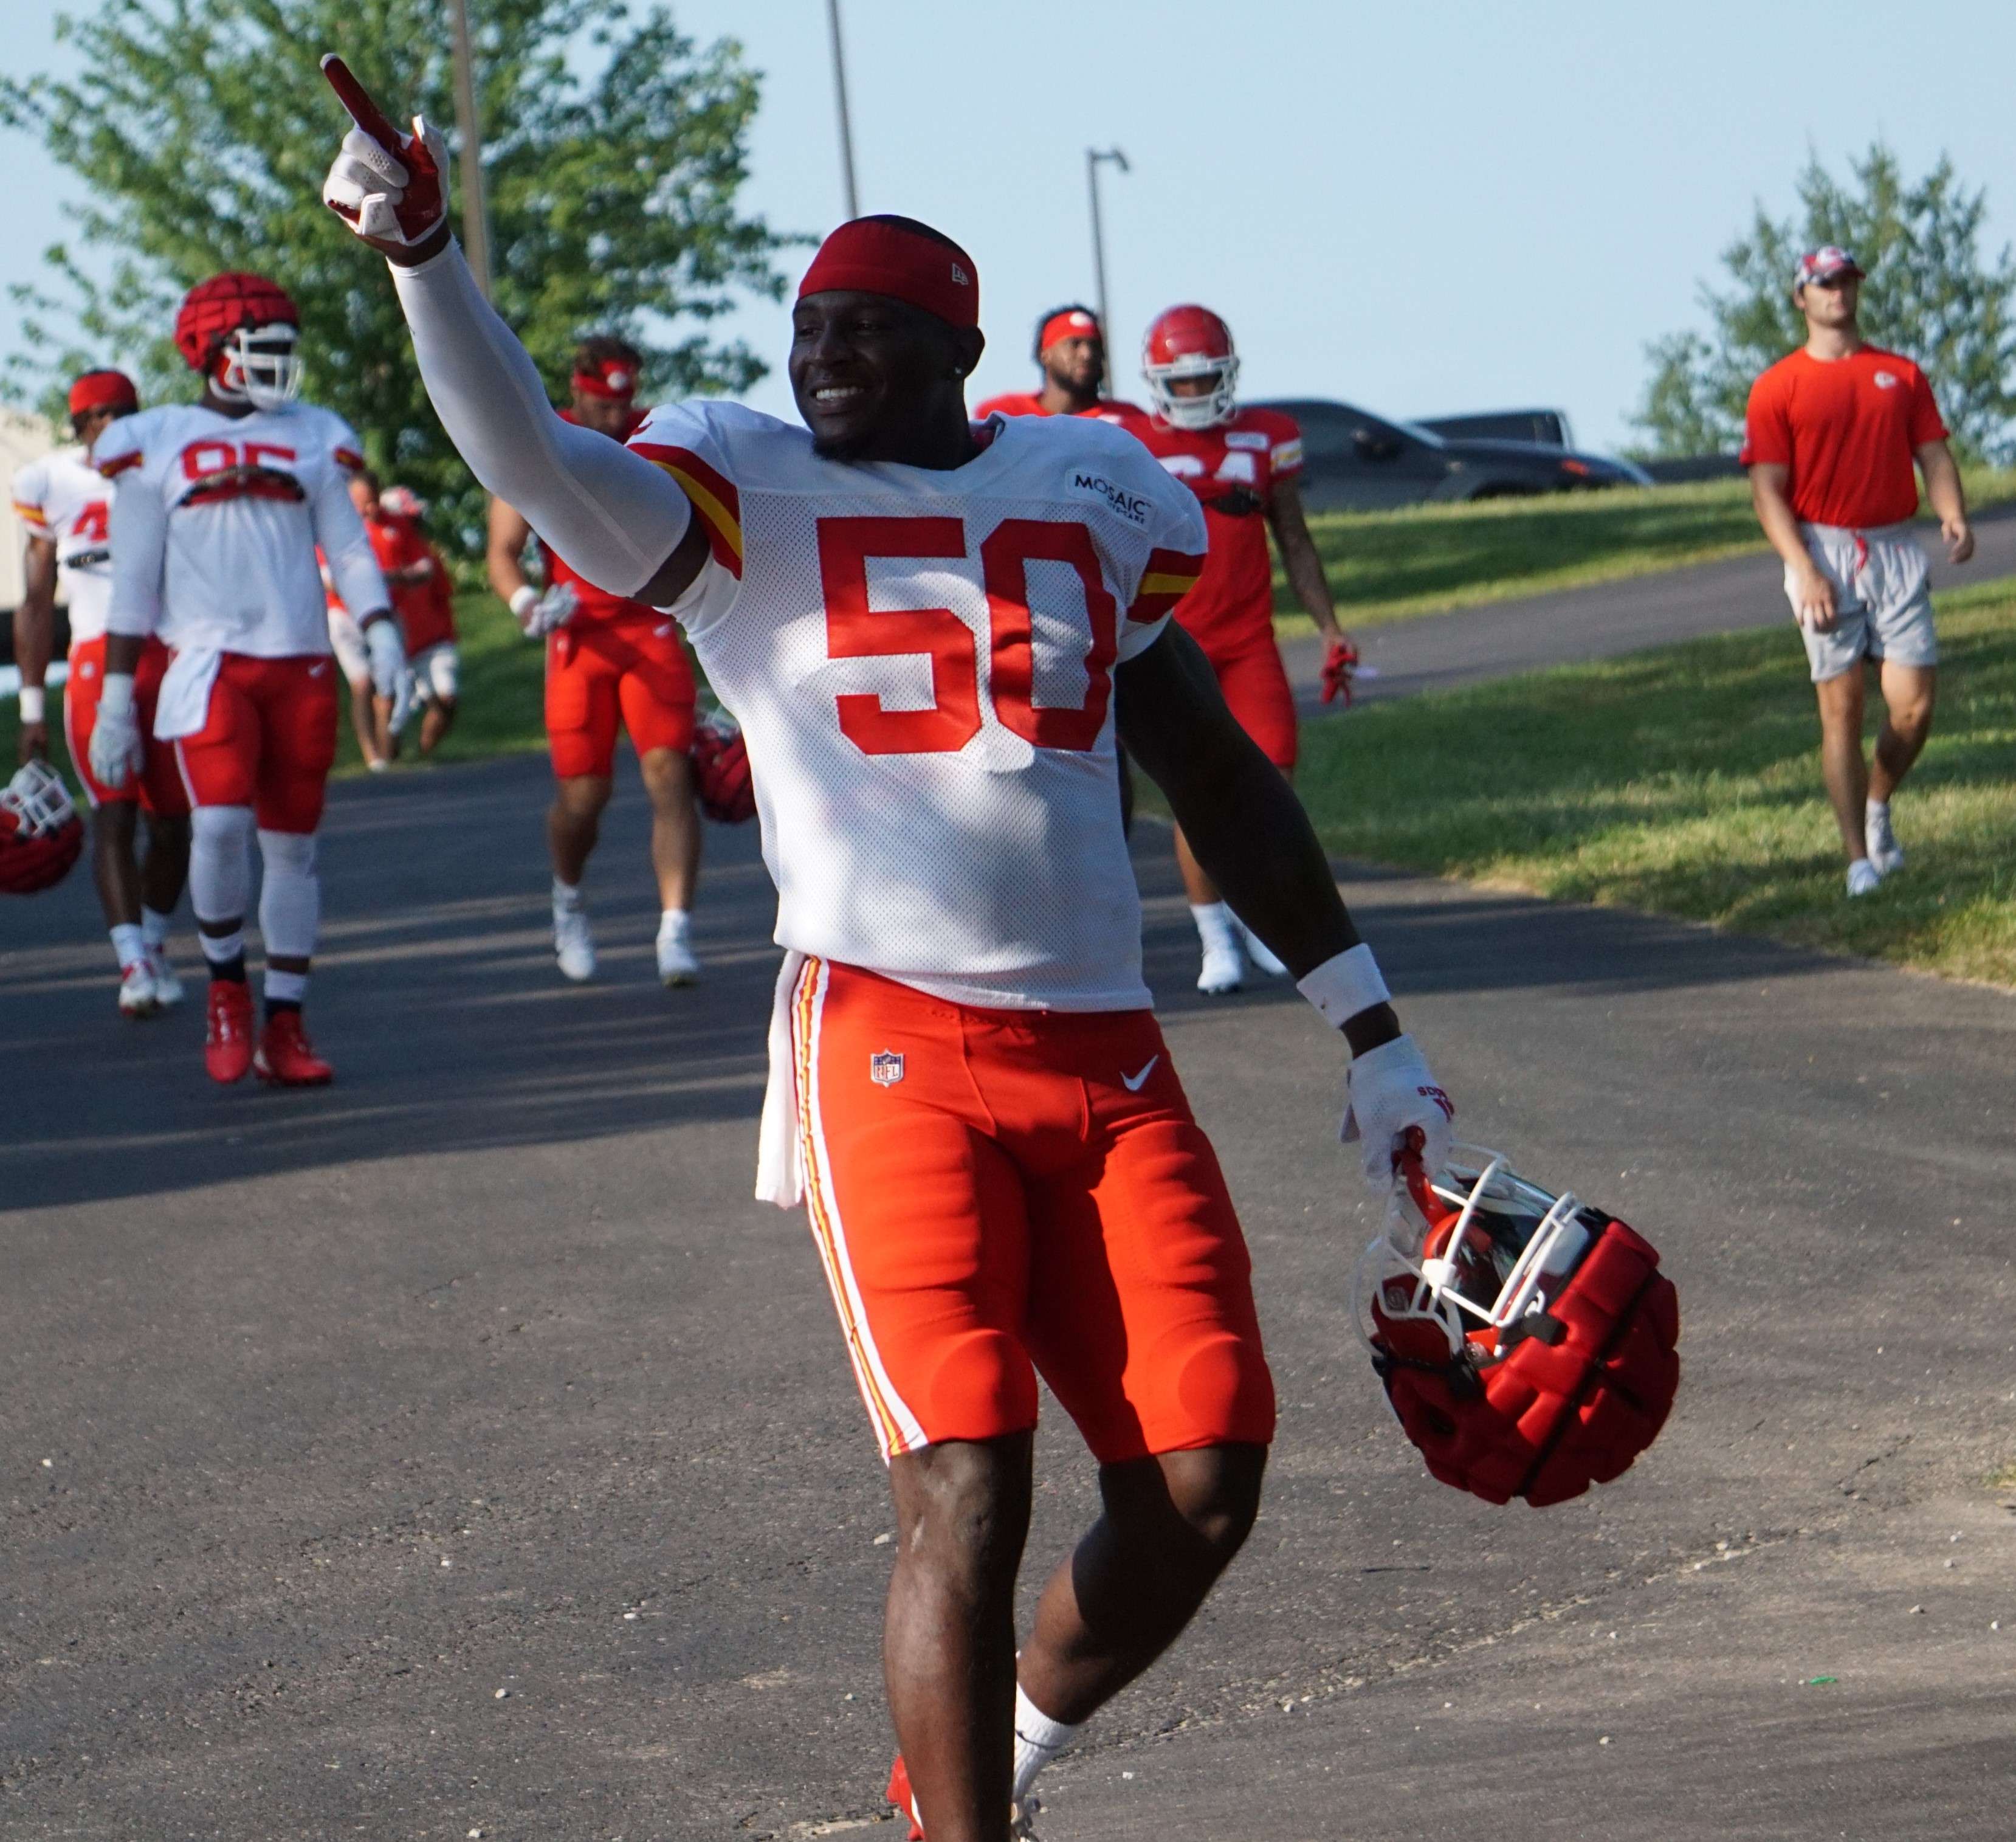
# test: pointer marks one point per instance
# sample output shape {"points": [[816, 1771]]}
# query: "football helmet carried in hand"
{"points": [[721, 769], [1191, 342], [40, 835], [1527, 1341]]}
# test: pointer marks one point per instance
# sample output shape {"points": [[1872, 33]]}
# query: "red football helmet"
{"points": [[1527, 1342], [1189, 342], [721, 768], [40, 832], [240, 331]]}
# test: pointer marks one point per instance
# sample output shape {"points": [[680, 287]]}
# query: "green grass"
{"points": [[1686, 781], [1386, 566]]}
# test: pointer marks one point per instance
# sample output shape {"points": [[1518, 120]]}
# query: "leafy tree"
{"points": [[203, 129], [1931, 294]]}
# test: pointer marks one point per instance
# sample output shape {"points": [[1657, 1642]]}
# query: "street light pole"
{"points": [[1094, 158], [475, 213], [840, 94]]}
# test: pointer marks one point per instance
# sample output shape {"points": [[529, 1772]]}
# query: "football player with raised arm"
{"points": [[610, 661], [1241, 463], [929, 628], [218, 507], [63, 501]]}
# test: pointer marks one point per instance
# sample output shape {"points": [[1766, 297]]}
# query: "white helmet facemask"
{"points": [[1215, 406], [261, 366]]}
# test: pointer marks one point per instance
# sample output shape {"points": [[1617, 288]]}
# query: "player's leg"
{"points": [[439, 672], [581, 717], [1908, 655], [1845, 769], [219, 765], [346, 638], [165, 802], [656, 691], [114, 815]]}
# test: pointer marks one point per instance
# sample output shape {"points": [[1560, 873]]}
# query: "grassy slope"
{"points": [[1387, 566], [1687, 780]]}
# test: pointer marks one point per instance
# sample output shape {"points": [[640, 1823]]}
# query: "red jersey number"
{"points": [[93, 524], [854, 631]]}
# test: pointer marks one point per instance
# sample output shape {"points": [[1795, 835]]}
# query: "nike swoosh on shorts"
{"points": [[1134, 1083]]}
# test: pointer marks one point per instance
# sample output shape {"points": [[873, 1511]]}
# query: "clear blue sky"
{"points": [[1419, 208]]}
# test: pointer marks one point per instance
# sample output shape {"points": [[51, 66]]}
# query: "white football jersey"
{"points": [[922, 661], [215, 520], [62, 497]]}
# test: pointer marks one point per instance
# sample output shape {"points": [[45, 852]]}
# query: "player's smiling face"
{"points": [[877, 379]]}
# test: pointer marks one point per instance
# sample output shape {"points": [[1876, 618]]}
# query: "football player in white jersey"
{"points": [[63, 501], [924, 626], [217, 509]]}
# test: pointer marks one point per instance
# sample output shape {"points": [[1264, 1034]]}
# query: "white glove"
{"points": [[387, 653], [1390, 1092], [541, 614], [116, 752], [385, 184]]}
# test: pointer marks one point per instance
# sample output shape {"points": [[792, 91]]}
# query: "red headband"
{"points": [[1074, 322], [874, 257], [614, 378], [102, 390]]}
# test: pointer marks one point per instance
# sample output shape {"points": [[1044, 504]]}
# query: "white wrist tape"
{"points": [[525, 598], [31, 703], [115, 697], [1345, 985]]}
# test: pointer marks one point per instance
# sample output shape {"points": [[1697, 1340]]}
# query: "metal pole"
{"points": [[1093, 159], [840, 94], [475, 213]]}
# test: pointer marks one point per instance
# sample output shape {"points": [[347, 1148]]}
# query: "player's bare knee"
{"points": [[962, 1506], [1218, 1497]]}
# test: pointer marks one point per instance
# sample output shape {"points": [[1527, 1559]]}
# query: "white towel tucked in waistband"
{"points": [[779, 1161], [183, 706]]}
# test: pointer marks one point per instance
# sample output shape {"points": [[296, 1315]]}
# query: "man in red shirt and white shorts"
{"points": [[1830, 436], [1241, 463], [609, 660], [422, 598]]}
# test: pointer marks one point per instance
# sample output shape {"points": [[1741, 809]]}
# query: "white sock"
{"points": [[1878, 809], [221, 950], [1038, 1739], [1214, 923], [567, 896], [675, 924], [153, 926], [129, 944], [290, 894], [288, 988]]}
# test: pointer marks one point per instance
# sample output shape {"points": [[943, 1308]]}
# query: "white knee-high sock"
{"points": [[220, 877], [1038, 1739], [290, 895]]}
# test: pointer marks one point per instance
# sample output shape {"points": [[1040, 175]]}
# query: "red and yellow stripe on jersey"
{"points": [[31, 516], [1170, 575], [713, 497], [118, 463]]}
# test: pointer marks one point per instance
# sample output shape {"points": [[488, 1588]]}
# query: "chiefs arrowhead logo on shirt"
{"points": [[1887, 379]]}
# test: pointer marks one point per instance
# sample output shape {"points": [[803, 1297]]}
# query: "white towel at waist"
{"points": [[183, 706], [779, 1161]]}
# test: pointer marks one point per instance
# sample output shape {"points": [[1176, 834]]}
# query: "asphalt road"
{"points": [[462, 1449]]}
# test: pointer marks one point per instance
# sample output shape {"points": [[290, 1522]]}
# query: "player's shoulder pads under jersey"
{"points": [[30, 493], [713, 448], [324, 432]]}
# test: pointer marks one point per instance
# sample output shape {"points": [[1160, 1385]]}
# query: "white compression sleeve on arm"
{"points": [[138, 532], [613, 515]]}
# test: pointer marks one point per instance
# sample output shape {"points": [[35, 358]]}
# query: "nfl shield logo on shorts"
{"points": [[885, 1068]]}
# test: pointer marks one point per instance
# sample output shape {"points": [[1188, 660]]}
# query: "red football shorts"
{"points": [[268, 740], [998, 1194], [157, 786], [1255, 685], [627, 667]]}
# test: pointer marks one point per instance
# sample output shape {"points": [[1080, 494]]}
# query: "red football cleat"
{"points": [[227, 1044], [899, 1794], [285, 1057]]}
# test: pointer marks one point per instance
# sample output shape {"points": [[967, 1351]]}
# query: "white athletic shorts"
{"points": [[1882, 599], [434, 669], [345, 637]]}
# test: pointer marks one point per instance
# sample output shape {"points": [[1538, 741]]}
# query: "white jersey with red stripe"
{"points": [[61, 496], [225, 514], [922, 662]]}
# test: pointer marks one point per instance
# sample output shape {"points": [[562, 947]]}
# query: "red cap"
{"points": [[883, 256], [1074, 322], [615, 379], [102, 390]]}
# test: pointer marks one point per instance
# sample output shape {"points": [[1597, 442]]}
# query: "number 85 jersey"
{"points": [[922, 661]]}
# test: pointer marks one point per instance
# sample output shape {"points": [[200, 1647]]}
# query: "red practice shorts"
{"points": [[1255, 688], [268, 740], [999, 1193], [157, 786], [600, 670]]}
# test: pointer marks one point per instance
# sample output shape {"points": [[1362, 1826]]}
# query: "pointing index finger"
{"points": [[354, 97]]}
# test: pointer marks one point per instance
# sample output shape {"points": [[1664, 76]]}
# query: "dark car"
{"points": [[1550, 427], [1355, 461]]}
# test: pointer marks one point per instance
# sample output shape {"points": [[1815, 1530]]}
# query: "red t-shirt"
{"points": [[1233, 468], [426, 609], [1017, 403], [590, 603], [1848, 428]]}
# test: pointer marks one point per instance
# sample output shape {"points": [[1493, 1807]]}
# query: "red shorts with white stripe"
{"points": [[630, 667], [1255, 685], [1001, 1194], [157, 786], [268, 740]]}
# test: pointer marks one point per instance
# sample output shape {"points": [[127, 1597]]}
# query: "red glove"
{"points": [[386, 185], [1339, 663]]}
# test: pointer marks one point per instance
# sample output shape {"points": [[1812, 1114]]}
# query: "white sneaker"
{"points": [[1862, 877], [1885, 851], [573, 945], [1224, 967], [167, 987], [677, 962], [1258, 954], [138, 996]]}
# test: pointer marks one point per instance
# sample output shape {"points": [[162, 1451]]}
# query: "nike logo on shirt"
{"points": [[1134, 1083]]}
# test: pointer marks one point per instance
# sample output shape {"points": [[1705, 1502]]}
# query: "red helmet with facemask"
{"points": [[1185, 342], [240, 331]]}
